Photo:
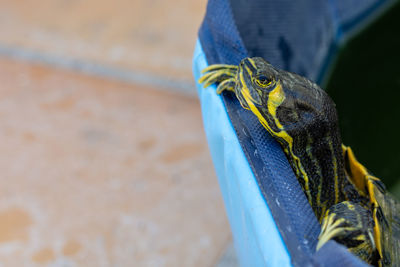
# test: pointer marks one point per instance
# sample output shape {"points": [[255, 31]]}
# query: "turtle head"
{"points": [[257, 84]]}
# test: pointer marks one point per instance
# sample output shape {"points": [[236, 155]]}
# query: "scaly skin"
{"points": [[303, 119]]}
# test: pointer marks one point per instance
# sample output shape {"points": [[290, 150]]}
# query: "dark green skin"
{"points": [[309, 116]]}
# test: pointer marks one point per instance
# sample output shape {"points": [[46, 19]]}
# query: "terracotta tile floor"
{"points": [[141, 36], [101, 173], [95, 171]]}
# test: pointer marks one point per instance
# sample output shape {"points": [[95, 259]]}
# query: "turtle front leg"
{"points": [[223, 74], [351, 225]]}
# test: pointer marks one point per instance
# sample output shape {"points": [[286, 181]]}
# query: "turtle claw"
{"points": [[211, 77], [216, 67], [224, 74], [228, 84], [351, 225], [378, 183]]}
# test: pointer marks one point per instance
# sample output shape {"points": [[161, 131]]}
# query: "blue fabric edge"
{"points": [[256, 237]]}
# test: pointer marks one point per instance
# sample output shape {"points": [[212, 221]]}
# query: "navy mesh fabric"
{"points": [[299, 36], [334, 255], [292, 35]]}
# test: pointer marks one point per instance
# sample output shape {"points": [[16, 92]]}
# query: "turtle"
{"points": [[351, 204]]}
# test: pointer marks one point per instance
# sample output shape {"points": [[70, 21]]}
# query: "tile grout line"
{"points": [[91, 68]]}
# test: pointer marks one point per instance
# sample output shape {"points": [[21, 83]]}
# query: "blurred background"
{"points": [[365, 85], [104, 160]]}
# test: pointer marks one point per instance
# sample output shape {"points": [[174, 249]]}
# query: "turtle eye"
{"points": [[263, 81]]}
